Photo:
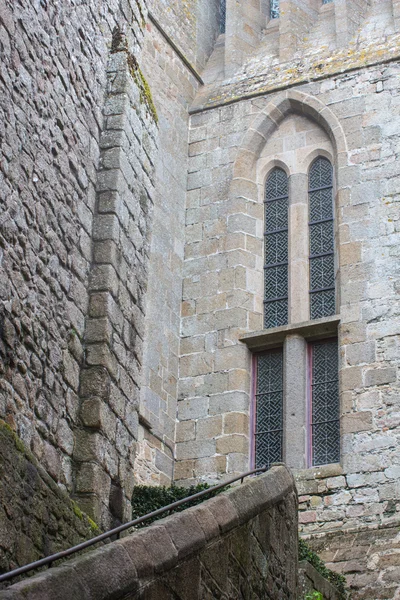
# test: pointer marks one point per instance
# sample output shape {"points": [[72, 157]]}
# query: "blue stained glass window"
{"points": [[276, 249], [274, 9], [322, 265], [325, 427], [269, 408]]}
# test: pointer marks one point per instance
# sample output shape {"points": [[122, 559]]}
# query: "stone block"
{"points": [[380, 376], [94, 382], [232, 443], [357, 354], [224, 512], [185, 431], [351, 378], [195, 449], [107, 572], [185, 533], [209, 428], [193, 408], [228, 402], [206, 520], [210, 467], [160, 547], [59, 583], [354, 423]]}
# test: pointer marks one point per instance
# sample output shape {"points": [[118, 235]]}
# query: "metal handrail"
{"points": [[117, 530]]}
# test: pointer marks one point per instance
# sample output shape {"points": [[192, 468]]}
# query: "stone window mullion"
{"points": [[298, 249]]}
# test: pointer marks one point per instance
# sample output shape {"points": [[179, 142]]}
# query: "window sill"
{"points": [[322, 472], [267, 338]]}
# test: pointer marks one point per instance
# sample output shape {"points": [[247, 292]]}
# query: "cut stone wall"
{"points": [[222, 290], [173, 88], [241, 543], [36, 517]]}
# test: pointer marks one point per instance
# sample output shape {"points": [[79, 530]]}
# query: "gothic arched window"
{"points": [[276, 249], [322, 265]]}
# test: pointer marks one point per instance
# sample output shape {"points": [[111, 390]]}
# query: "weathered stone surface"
{"points": [[36, 517], [145, 564]]}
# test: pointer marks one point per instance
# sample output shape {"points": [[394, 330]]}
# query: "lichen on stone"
{"points": [[144, 88]]}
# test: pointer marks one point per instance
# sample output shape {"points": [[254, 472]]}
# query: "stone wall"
{"points": [[369, 558], [173, 88], [36, 517], [83, 164], [114, 331], [53, 83], [240, 543], [233, 139], [192, 25]]}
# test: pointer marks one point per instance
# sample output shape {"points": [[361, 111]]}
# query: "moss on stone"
{"points": [[93, 526], [144, 88], [77, 510]]}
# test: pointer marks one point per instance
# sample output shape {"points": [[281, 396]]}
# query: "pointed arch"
{"points": [[286, 103]]}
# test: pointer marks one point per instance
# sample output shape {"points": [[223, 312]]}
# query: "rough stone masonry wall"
{"points": [[53, 80], [242, 543], [36, 517]]}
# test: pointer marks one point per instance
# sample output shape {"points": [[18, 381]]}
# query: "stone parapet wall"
{"points": [[36, 517], [243, 542]]}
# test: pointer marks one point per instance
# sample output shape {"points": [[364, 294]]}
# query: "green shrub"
{"points": [[146, 499], [339, 581], [314, 596]]}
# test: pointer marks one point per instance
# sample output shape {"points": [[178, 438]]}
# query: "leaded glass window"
{"points": [[222, 16], [274, 9], [325, 428], [322, 266], [269, 408], [276, 250]]}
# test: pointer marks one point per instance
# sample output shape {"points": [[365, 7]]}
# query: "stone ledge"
{"points": [[267, 338], [322, 472]]}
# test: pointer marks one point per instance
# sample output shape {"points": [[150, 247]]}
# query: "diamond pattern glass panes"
{"points": [[322, 265], [269, 408], [274, 9], [222, 16], [325, 429], [276, 250]]}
